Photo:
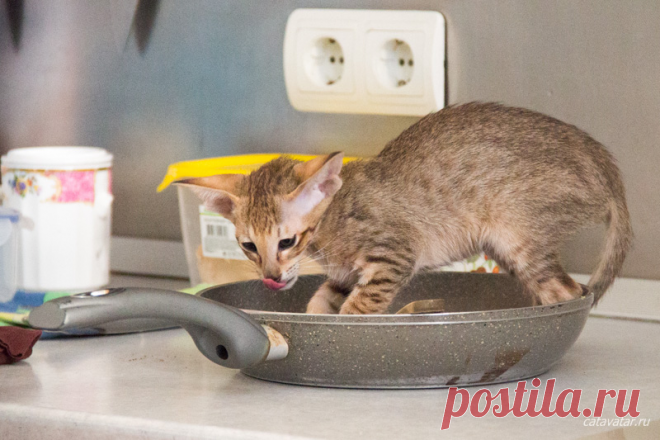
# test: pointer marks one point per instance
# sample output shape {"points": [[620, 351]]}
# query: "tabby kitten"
{"points": [[476, 177]]}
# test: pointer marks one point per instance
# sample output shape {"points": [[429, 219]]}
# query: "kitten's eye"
{"points": [[249, 246], [286, 243]]}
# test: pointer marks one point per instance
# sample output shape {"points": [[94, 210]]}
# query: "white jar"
{"points": [[65, 200]]}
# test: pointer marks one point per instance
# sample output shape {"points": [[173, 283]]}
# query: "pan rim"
{"points": [[480, 316], [475, 316], [391, 319]]}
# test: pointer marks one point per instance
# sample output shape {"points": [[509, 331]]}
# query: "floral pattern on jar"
{"points": [[75, 186]]}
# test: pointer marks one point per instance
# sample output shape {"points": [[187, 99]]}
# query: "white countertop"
{"points": [[157, 385]]}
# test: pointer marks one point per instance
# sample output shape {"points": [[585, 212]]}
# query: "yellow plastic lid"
{"points": [[242, 164]]}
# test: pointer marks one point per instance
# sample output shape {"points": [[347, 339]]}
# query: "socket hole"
{"points": [[222, 352], [321, 63], [394, 64]]}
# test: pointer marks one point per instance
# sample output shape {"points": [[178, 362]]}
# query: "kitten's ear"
{"points": [[305, 170], [321, 184], [217, 192]]}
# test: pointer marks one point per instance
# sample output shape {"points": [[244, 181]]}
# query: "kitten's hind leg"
{"points": [[536, 265], [327, 299], [547, 280]]}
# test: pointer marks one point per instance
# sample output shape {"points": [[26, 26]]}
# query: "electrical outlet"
{"points": [[392, 62], [324, 60], [365, 61], [405, 56], [319, 60]]}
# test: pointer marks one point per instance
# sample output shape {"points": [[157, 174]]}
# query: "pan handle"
{"points": [[225, 335]]}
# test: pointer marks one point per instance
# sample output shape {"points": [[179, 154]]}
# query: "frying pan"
{"points": [[488, 333]]}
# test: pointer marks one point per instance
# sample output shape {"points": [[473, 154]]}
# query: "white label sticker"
{"points": [[218, 236]]}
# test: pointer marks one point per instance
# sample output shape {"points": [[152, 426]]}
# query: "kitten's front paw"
{"points": [[326, 301], [349, 308], [360, 305], [319, 306]]}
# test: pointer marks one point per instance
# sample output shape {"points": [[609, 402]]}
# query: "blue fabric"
{"points": [[23, 301]]}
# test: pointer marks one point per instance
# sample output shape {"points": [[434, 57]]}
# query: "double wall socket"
{"points": [[365, 61]]}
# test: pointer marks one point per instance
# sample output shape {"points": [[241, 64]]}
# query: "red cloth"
{"points": [[16, 343]]}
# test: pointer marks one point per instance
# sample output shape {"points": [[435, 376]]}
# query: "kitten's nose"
{"points": [[273, 284]]}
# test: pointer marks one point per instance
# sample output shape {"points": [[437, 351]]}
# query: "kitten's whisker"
{"points": [[314, 260], [318, 255], [322, 266], [325, 246], [320, 261]]}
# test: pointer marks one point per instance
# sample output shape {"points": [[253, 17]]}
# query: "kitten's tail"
{"points": [[618, 243]]}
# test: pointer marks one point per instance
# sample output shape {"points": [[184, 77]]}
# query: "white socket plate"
{"points": [[364, 36]]}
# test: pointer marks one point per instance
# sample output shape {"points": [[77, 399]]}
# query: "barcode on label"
{"points": [[219, 230], [218, 237]]}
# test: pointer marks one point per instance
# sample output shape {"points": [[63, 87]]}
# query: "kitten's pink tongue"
{"points": [[272, 284]]}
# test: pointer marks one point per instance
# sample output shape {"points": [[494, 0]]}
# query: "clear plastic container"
{"points": [[8, 253]]}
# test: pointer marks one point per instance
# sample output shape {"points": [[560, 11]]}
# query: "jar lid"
{"points": [[11, 214], [57, 158]]}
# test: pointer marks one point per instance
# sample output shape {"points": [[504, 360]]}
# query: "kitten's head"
{"points": [[276, 210]]}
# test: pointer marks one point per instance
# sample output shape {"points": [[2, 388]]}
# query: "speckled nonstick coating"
{"points": [[489, 333]]}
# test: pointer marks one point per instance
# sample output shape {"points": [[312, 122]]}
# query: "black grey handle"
{"points": [[225, 335]]}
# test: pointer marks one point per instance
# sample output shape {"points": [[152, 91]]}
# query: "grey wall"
{"points": [[209, 82]]}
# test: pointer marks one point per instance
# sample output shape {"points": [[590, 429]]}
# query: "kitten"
{"points": [[476, 177]]}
